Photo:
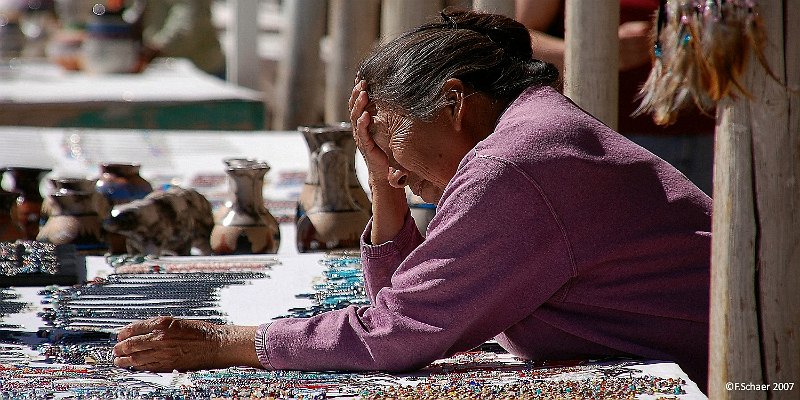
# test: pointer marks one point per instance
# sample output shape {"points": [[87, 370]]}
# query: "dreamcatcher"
{"points": [[701, 49]]}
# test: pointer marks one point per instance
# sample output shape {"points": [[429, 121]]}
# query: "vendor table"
{"points": [[477, 374], [194, 159], [169, 94]]}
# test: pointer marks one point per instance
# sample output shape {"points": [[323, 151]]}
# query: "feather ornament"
{"points": [[701, 49]]}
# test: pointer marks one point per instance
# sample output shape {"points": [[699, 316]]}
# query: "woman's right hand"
{"points": [[389, 206], [376, 159]]}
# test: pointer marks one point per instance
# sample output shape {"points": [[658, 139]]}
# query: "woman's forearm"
{"points": [[389, 209], [237, 347]]}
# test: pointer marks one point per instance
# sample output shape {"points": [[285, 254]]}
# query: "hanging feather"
{"points": [[700, 53]]}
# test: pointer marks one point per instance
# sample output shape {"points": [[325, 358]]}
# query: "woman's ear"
{"points": [[454, 94]]}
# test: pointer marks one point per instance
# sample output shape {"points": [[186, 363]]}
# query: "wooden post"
{"points": [[300, 77], [353, 31], [242, 59], [591, 57], [502, 7], [397, 16], [755, 285]]}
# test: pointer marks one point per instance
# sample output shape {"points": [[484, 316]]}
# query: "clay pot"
{"points": [[332, 219], [341, 135], [121, 183], [74, 221], [64, 185], [244, 225], [29, 204], [9, 226]]}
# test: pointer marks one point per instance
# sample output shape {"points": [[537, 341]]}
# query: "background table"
{"points": [[169, 94]]}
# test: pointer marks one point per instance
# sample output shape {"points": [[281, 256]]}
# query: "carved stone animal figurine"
{"points": [[167, 222]]}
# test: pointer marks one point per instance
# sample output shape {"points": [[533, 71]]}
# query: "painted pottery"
{"points": [[29, 204], [332, 219], [121, 183], [244, 225], [10, 230], [71, 184], [74, 221], [165, 222], [342, 136]]}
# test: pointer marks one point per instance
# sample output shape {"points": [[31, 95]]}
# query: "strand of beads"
{"points": [[342, 285], [110, 303]]}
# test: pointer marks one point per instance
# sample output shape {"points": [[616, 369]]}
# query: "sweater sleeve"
{"points": [[380, 261], [494, 253]]}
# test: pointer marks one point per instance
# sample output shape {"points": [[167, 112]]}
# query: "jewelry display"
{"points": [[342, 285], [28, 257], [9, 305], [105, 305], [76, 362], [139, 264]]}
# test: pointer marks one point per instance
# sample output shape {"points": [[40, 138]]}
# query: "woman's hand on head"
{"points": [[164, 344], [376, 159]]}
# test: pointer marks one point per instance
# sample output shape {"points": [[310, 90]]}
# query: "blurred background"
{"points": [[298, 55]]}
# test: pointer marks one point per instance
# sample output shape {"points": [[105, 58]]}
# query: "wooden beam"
{"points": [[755, 300], [591, 57], [300, 75], [353, 31], [398, 16], [244, 64]]}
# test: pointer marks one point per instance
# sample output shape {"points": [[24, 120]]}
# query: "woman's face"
{"points": [[423, 155]]}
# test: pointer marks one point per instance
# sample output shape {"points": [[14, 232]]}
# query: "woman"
{"points": [[554, 235]]}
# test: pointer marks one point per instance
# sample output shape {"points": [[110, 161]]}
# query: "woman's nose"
{"points": [[397, 177]]}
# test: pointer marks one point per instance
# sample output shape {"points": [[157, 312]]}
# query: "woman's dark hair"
{"points": [[489, 53]]}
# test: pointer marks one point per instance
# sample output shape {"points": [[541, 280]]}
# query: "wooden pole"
{"points": [[591, 57], [353, 31], [397, 16], [300, 75], [755, 285], [502, 7], [242, 59]]}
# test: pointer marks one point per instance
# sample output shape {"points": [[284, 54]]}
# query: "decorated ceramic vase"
{"points": [[121, 183], [72, 184], [29, 204], [244, 225], [9, 226], [342, 136], [74, 221], [332, 219]]}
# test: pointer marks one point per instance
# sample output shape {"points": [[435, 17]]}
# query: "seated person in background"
{"points": [[689, 143], [554, 234], [179, 28]]}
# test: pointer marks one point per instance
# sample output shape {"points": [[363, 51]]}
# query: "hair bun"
{"points": [[507, 33]]}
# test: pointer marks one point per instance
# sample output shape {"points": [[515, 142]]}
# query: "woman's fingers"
{"points": [[357, 89], [359, 104], [142, 327], [136, 344]]}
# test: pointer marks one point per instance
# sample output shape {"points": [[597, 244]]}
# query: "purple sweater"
{"points": [[557, 236]]}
